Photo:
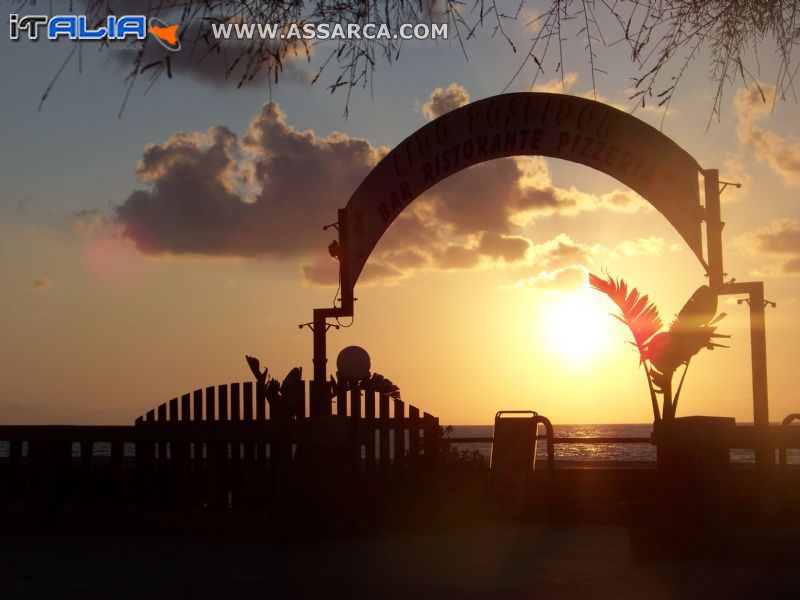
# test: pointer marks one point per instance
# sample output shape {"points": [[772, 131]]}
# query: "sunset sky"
{"points": [[143, 256]]}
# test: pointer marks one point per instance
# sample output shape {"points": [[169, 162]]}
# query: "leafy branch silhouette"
{"points": [[661, 353]]}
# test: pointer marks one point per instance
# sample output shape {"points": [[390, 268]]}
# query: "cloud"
{"points": [[567, 278], [266, 194], [558, 85], [506, 193], [781, 154], [780, 240], [444, 100], [562, 263], [42, 284], [221, 62], [88, 222]]}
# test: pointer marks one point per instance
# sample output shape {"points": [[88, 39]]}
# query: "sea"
{"points": [[595, 452]]}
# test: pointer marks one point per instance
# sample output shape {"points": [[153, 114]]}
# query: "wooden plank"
{"points": [[383, 407], [198, 406], [197, 460], [210, 403], [177, 458], [355, 401], [173, 409], [217, 471], [249, 477], [261, 402], [369, 432], [186, 402], [296, 400], [341, 399], [222, 404], [162, 446], [235, 406], [247, 401], [413, 434], [399, 432], [235, 473], [145, 462]]}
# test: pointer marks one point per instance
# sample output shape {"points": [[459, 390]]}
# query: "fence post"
{"points": [[431, 439], [383, 407], [369, 432], [413, 435], [399, 433]]}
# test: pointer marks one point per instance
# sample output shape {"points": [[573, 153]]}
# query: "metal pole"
{"points": [[320, 404], [758, 349], [714, 226]]}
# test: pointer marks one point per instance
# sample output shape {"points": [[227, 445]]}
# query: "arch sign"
{"points": [[540, 124]]}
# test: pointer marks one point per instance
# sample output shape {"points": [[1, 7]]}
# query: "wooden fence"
{"points": [[220, 447]]}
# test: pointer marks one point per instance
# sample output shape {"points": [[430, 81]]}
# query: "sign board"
{"points": [[513, 456], [541, 124]]}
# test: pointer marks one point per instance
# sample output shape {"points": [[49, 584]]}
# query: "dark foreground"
{"points": [[487, 561]]}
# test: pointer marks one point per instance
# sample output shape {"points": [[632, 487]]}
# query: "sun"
{"points": [[576, 327]]}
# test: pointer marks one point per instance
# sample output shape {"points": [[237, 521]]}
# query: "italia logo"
{"points": [[75, 27], [166, 35]]}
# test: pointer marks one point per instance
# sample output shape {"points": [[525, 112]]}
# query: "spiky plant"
{"points": [[661, 353]]}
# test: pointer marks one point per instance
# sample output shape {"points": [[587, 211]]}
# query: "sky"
{"points": [[143, 255]]}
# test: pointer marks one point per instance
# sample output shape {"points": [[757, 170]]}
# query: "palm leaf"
{"points": [[637, 311]]}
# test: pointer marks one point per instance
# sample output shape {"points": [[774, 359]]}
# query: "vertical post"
{"points": [[713, 229], [758, 349], [320, 404], [383, 407], [369, 428], [399, 433], [765, 456], [413, 435], [210, 403], [320, 401]]}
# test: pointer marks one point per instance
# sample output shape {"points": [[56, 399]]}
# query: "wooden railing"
{"points": [[219, 447]]}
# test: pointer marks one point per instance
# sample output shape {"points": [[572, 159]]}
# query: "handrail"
{"points": [[562, 440], [787, 421]]}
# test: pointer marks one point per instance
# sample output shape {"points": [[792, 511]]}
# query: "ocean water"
{"points": [[595, 452]]}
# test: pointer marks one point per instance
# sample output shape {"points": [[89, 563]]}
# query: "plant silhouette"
{"points": [[278, 394], [661, 353]]}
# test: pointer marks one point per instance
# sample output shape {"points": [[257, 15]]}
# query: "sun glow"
{"points": [[576, 327]]}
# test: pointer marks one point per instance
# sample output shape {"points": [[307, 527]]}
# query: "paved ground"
{"points": [[499, 561]]}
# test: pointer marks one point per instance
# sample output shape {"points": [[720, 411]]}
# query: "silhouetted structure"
{"points": [[223, 447]]}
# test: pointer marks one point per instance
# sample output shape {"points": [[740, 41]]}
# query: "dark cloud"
{"points": [[780, 240], [507, 248], [267, 194], [485, 197], [218, 61], [792, 267], [454, 256]]}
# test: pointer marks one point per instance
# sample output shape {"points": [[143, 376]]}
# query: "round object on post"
{"points": [[353, 363]]}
